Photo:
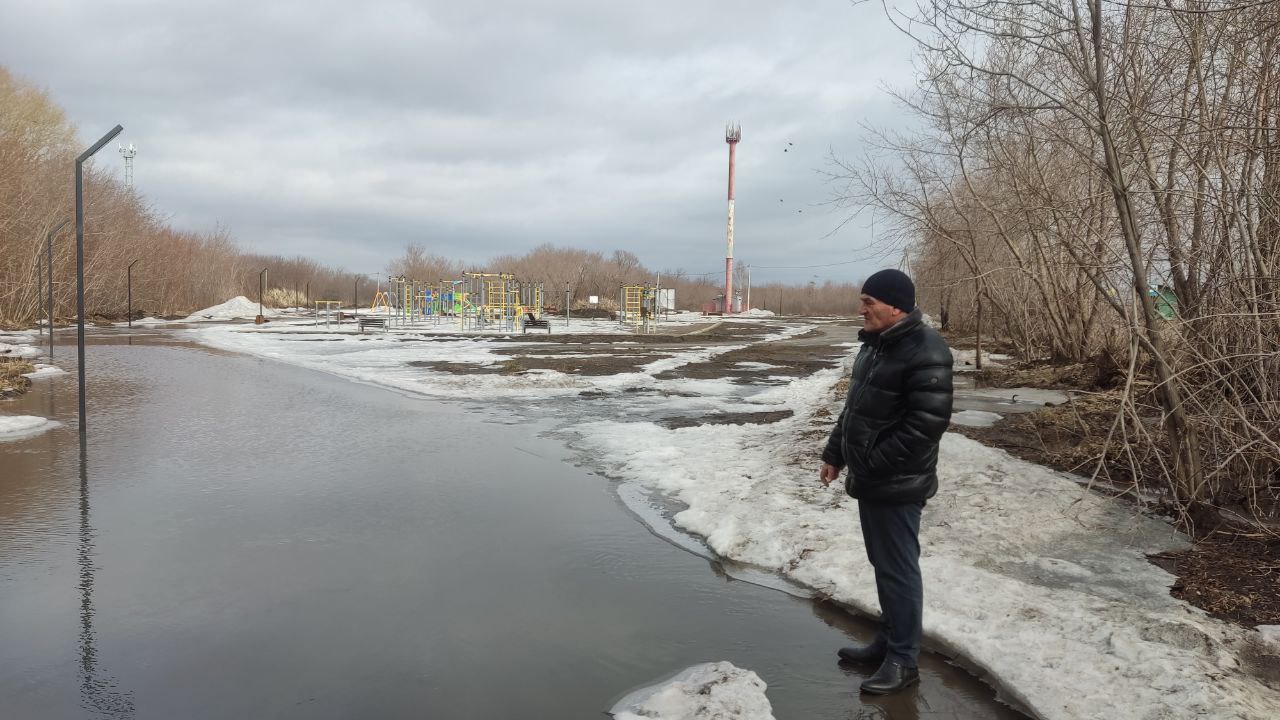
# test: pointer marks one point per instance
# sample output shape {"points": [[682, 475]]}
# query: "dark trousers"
{"points": [[892, 537]]}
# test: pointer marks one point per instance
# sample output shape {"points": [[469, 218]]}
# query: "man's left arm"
{"points": [[926, 415]]}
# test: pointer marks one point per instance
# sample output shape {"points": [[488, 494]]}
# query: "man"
{"points": [[898, 406]]}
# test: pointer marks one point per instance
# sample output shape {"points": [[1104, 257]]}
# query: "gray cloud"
{"points": [[343, 131]]}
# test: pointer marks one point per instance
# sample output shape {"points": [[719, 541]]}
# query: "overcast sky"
{"points": [[343, 131]]}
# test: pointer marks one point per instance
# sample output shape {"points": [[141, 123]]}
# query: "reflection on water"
{"points": [[254, 540], [97, 690]]}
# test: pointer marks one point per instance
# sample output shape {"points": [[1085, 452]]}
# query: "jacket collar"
{"points": [[895, 331]]}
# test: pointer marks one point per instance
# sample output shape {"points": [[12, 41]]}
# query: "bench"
{"points": [[376, 322], [532, 322]]}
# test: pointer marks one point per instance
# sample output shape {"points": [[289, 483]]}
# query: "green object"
{"points": [[1166, 302]]}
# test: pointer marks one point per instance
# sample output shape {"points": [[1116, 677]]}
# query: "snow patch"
{"points": [[1018, 395], [21, 351], [238, 307], [755, 313], [1270, 638], [711, 691], [976, 418], [965, 359], [43, 371], [13, 427]]}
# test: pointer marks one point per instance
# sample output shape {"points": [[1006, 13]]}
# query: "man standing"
{"points": [[898, 406]]}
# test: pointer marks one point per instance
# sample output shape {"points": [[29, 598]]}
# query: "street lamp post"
{"points": [[261, 284], [48, 268], [80, 263], [130, 274]]}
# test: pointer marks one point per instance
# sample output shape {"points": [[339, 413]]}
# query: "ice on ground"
{"points": [[158, 321], [965, 358], [755, 366], [976, 418], [237, 308], [43, 371], [712, 691], [21, 350], [13, 427], [1018, 395]]}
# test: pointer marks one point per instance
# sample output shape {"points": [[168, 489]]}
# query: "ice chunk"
{"points": [[716, 690]]}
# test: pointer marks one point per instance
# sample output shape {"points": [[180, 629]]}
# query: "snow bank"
{"points": [[13, 427], [712, 691], [755, 313], [1038, 583], [239, 307]]}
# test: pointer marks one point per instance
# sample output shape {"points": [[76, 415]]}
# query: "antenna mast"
{"points": [[128, 153], [732, 134]]}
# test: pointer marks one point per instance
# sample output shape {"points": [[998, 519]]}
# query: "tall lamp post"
{"points": [[80, 262], [48, 267], [130, 274], [261, 284]]}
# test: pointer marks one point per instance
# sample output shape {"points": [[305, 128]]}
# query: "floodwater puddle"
{"points": [[245, 538]]}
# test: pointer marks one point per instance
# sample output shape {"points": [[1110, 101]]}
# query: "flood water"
{"points": [[244, 539]]}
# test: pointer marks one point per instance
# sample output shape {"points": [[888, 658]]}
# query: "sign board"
{"points": [[593, 299], [667, 299]]}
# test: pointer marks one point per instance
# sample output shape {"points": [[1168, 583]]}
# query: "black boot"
{"points": [[890, 678], [872, 653]]}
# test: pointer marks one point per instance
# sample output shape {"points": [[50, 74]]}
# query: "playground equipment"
{"points": [[497, 301], [479, 301], [330, 307], [637, 305]]}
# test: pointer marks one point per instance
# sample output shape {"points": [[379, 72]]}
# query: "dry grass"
{"points": [[11, 375]]}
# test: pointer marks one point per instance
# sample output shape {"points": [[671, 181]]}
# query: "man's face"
{"points": [[878, 316]]}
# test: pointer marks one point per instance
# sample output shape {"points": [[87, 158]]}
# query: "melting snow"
{"points": [[976, 418], [1038, 583], [713, 691], [239, 307], [13, 427]]}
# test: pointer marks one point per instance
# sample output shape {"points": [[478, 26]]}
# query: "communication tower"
{"points": [[128, 153], [732, 134]]}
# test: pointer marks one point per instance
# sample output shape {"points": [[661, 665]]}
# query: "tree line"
{"points": [[587, 273], [1099, 181]]}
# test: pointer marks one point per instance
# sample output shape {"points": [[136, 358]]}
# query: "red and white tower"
{"points": [[732, 134]]}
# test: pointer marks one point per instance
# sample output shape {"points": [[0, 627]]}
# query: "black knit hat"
{"points": [[892, 287]]}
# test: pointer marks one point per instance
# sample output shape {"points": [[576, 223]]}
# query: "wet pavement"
{"points": [[246, 539]]}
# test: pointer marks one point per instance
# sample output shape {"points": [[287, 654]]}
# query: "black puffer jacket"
{"points": [[899, 405]]}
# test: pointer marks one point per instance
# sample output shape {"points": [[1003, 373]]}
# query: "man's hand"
{"points": [[828, 473]]}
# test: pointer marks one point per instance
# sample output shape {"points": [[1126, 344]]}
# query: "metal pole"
{"points": [[566, 303], [261, 283], [40, 286], [48, 268], [748, 307], [130, 273], [80, 265]]}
